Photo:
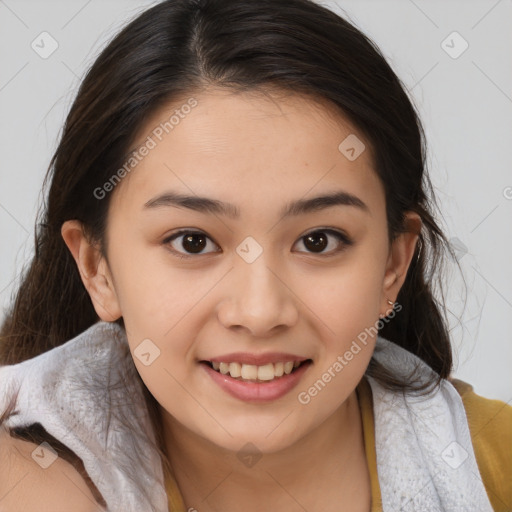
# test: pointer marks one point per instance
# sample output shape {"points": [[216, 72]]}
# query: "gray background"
{"points": [[465, 104]]}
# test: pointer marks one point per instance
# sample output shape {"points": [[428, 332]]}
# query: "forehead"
{"points": [[249, 148]]}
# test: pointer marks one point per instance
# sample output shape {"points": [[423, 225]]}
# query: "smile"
{"points": [[251, 372], [256, 383]]}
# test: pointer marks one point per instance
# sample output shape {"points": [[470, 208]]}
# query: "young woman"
{"points": [[233, 277]]}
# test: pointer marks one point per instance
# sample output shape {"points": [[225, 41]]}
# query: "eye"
{"points": [[192, 242], [318, 240]]}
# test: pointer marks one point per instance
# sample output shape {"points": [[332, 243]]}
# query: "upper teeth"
{"points": [[253, 372]]}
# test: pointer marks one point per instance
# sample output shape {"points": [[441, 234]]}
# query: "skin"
{"points": [[258, 152]]}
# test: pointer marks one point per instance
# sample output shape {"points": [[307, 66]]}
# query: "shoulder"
{"points": [[32, 480], [490, 425]]}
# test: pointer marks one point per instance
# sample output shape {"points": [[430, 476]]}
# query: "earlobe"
{"points": [[93, 270], [400, 257]]}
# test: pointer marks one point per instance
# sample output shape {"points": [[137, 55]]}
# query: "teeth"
{"points": [[249, 371], [288, 367], [235, 369], [265, 372]]}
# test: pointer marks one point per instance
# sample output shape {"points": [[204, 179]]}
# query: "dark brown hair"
{"points": [[178, 48]]}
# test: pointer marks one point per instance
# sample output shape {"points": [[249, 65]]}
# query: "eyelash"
{"points": [[343, 238]]}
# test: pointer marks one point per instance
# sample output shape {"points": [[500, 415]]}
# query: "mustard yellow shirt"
{"points": [[490, 425]]}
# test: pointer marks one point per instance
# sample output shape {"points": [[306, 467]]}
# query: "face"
{"points": [[257, 276]]}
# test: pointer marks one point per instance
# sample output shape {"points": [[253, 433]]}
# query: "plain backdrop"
{"points": [[454, 57]]}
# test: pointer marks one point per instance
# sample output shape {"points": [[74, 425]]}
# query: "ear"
{"points": [[93, 270], [400, 256]]}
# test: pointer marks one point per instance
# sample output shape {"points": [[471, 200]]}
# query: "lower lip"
{"points": [[256, 391]]}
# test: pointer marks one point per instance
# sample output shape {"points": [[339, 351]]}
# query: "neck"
{"points": [[323, 469]]}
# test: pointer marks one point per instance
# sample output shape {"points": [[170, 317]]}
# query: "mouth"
{"points": [[256, 383], [260, 374]]}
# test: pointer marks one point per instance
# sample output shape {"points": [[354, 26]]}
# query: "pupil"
{"points": [[316, 242], [195, 246]]}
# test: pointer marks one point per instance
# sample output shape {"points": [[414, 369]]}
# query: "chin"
{"points": [[258, 440]]}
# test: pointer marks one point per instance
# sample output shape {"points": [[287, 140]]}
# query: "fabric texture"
{"points": [[490, 423], [86, 393], [425, 457]]}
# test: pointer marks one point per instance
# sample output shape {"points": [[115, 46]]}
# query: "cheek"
{"points": [[348, 308], [156, 301], [165, 361], [347, 298], [152, 290]]}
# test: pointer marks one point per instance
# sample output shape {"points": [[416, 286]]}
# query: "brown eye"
{"points": [[192, 243], [317, 241]]}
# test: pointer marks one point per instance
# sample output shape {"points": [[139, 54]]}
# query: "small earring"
{"points": [[391, 303]]}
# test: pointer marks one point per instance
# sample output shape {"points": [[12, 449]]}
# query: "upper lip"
{"points": [[256, 359]]}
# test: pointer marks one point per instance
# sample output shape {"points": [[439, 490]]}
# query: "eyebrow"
{"points": [[294, 208]]}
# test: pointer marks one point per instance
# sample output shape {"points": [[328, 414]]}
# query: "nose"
{"points": [[258, 300]]}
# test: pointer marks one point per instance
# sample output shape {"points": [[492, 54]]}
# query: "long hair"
{"points": [[178, 48]]}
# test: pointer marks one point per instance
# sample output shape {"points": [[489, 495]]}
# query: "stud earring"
{"points": [[391, 303]]}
